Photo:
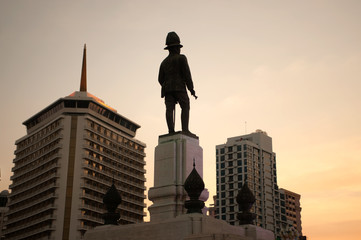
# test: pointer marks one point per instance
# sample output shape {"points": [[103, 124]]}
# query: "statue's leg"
{"points": [[169, 113], [184, 104], [170, 120], [185, 120]]}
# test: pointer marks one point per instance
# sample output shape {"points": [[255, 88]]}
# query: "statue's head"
{"points": [[172, 40]]}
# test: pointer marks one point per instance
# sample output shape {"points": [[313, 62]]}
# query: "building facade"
{"points": [[73, 151], [249, 158], [293, 209]]}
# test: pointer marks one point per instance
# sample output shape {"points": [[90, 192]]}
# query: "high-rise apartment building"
{"points": [[249, 158], [73, 151], [293, 209]]}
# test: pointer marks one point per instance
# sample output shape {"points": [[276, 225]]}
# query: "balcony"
{"points": [[141, 186], [92, 208], [33, 203], [32, 213], [28, 169], [100, 221], [60, 126], [103, 190], [50, 148], [84, 165], [21, 227], [33, 193], [41, 172], [88, 166], [85, 136], [140, 169], [118, 143], [28, 234], [121, 206]]}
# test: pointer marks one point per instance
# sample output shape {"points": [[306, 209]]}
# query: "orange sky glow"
{"points": [[290, 68]]}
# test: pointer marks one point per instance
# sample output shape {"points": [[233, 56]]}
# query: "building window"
{"points": [[222, 150], [230, 164], [230, 149], [239, 148]]}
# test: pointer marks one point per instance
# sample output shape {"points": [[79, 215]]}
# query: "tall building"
{"points": [[73, 151], [293, 209], [249, 158]]}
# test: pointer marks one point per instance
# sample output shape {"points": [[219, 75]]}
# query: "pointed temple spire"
{"points": [[83, 87]]}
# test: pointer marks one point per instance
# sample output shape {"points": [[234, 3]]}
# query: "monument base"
{"points": [[173, 162], [185, 227]]}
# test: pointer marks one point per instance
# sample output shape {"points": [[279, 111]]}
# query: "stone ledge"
{"points": [[185, 227]]}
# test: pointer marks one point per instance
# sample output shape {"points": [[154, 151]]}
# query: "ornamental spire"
{"points": [[83, 87], [194, 186]]}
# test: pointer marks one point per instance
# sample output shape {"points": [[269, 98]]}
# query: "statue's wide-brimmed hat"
{"points": [[172, 40]]}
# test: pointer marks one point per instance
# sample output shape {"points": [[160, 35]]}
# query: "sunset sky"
{"points": [[291, 68]]}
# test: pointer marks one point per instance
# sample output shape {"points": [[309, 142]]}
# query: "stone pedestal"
{"points": [[173, 162]]}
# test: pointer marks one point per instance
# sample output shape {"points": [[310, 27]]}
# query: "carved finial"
{"points": [[111, 200], [83, 84], [194, 186], [245, 199]]}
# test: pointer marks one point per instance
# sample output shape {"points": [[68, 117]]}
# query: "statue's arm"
{"points": [[187, 74]]}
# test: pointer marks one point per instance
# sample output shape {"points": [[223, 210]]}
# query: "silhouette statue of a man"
{"points": [[175, 77]]}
